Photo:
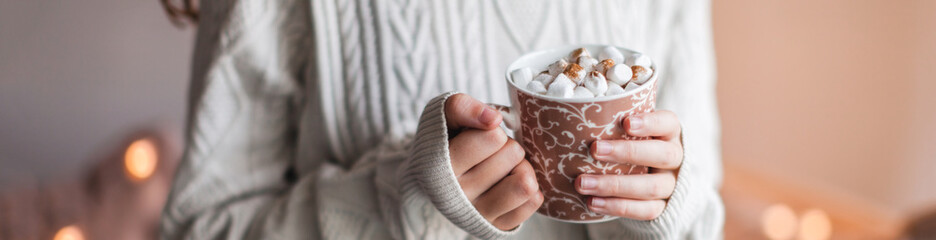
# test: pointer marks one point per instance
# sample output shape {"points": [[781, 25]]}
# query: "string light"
{"points": [[779, 222], [140, 159], [815, 225], [70, 232]]}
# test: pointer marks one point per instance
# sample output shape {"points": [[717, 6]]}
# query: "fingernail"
{"points": [[635, 123], [597, 202], [589, 182], [487, 116], [602, 148]]}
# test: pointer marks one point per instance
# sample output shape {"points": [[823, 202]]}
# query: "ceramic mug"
{"points": [[557, 132]]}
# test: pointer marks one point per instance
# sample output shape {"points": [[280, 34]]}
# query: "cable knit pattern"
{"points": [[304, 117]]}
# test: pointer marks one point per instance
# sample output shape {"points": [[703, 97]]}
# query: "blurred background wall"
{"points": [[832, 97], [837, 93], [77, 76], [833, 92]]}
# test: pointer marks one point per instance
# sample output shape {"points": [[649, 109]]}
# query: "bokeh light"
{"points": [[779, 222], [815, 225], [140, 159], [70, 232]]}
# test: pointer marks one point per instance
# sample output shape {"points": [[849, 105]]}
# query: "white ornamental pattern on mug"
{"points": [[560, 150]]}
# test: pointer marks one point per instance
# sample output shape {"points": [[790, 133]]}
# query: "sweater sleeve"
{"points": [[695, 209], [405, 190], [238, 177], [427, 175], [244, 98]]}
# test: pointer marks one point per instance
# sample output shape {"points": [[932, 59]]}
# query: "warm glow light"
{"points": [[70, 232], [779, 222], [140, 159], [815, 225]]}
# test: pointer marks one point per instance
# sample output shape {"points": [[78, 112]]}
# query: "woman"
{"points": [[305, 122]]}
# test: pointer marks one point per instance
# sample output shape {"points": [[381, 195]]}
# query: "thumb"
{"points": [[463, 111]]}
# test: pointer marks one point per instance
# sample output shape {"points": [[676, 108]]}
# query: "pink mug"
{"points": [[556, 134]]}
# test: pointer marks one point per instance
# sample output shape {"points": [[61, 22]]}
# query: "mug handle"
{"points": [[511, 117]]}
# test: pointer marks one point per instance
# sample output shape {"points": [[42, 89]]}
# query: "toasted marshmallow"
{"points": [[582, 92], [631, 87], [614, 89], [544, 78], [596, 83], [612, 53], [557, 67], [588, 63], [522, 76], [580, 75], [578, 53], [638, 59], [537, 87], [604, 65], [575, 73], [641, 74], [620, 74], [561, 87]]}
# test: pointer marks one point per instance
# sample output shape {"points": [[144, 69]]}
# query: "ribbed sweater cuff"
{"points": [[429, 162], [681, 209]]}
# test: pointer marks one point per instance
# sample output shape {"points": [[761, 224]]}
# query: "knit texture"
{"points": [[429, 167], [325, 120]]}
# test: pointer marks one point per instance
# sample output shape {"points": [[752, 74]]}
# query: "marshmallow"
{"points": [[638, 59], [604, 65], [522, 76], [631, 86], [537, 87], [578, 53], [561, 87], [620, 74], [596, 83], [641, 74], [579, 75], [582, 92], [588, 63], [614, 89], [612, 53], [544, 78], [557, 67], [575, 72]]}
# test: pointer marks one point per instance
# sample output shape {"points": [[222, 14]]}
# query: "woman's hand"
{"points": [[644, 196], [490, 166]]}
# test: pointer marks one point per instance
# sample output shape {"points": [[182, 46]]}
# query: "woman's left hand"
{"points": [[641, 197]]}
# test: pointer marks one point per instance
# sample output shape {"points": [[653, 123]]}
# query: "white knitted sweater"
{"points": [[304, 118]]}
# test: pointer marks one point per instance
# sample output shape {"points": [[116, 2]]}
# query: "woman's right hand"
{"points": [[490, 166]]}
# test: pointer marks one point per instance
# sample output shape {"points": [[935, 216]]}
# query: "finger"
{"points": [[514, 218], [508, 194], [472, 146], [655, 186], [627, 208], [463, 111], [487, 173], [650, 153], [661, 124]]}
